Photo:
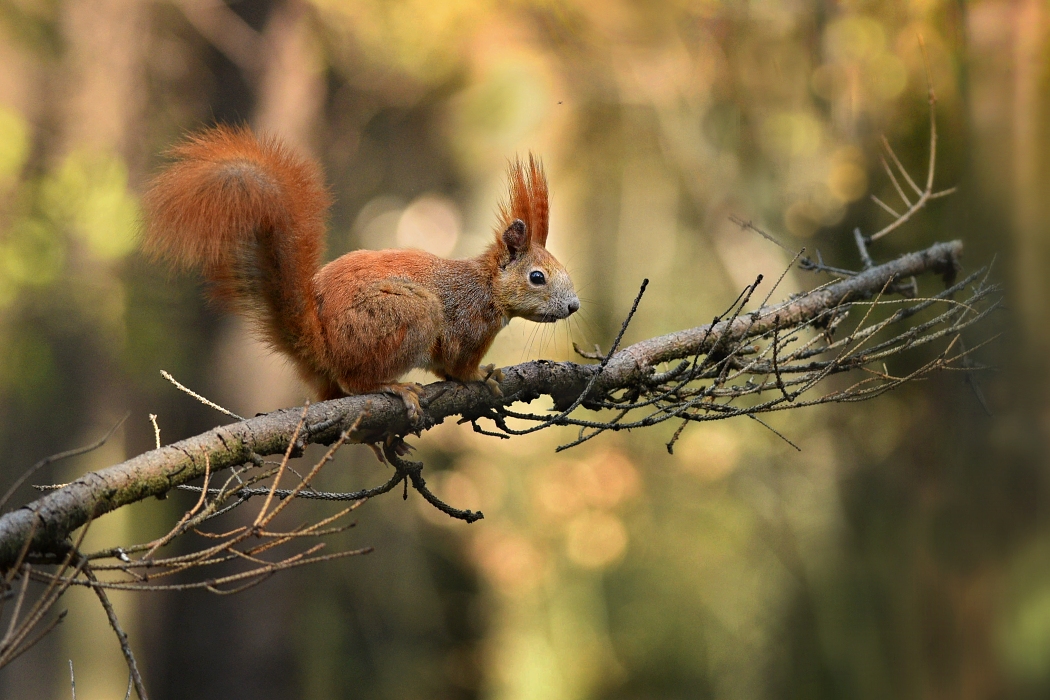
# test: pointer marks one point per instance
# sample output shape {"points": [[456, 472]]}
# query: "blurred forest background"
{"points": [[904, 552]]}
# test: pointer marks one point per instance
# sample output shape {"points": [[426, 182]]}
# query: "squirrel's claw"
{"points": [[378, 452], [492, 376], [395, 442], [410, 394], [398, 444]]}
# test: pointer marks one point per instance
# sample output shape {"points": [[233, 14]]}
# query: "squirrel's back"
{"points": [[251, 216]]}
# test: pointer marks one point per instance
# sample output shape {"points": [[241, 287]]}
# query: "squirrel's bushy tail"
{"points": [[250, 215]]}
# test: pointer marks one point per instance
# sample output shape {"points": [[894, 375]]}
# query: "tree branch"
{"points": [[49, 520]]}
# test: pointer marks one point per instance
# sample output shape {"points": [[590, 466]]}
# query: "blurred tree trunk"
{"points": [[102, 86], [1030, 166]]}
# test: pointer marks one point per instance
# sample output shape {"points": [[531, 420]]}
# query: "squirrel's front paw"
{"points": [[492, 376]]}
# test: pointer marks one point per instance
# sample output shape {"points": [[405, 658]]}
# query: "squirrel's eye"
{"points": [[536, 277]]}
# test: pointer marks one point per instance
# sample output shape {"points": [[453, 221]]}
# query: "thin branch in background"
{"points": [[776, 285], [19, 599], [14, 642], [206, 402], [773, 430], [926, 194], [974, 383], [892, 176], [156, 429], [595, 355], [280, 470], [10, 575], [60, 456], [932, 98], [820, 266], [175, 531], [292, 493], [748, 225], [122, 637], [304, 482], [892, 212], [862, 247]]}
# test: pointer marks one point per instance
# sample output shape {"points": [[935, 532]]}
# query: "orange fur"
{"points": [[528, 200], [250, 215]]}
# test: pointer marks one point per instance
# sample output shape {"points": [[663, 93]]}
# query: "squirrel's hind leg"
{"points": [[490, 375], [409, 393], [383, 330]]}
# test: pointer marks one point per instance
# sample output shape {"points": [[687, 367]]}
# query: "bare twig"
{"points": [[156, 429], [750, 226], [57, 457], [191, 392], [925, 194], [122, 637]]}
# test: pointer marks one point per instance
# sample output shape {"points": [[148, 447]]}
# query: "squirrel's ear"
{"points": [[539, 207], [515, 238], [527, 202]]}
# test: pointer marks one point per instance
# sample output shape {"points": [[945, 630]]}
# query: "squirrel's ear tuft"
{"points": [[527, 200], [515, 238]]}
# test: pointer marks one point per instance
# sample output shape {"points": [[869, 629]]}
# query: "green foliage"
{"points": [[88, 195]]}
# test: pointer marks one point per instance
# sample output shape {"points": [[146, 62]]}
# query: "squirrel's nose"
{"points": [[574, 305]]}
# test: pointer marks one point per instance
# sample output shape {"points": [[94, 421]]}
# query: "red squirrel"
{"points": [[251, 216]]}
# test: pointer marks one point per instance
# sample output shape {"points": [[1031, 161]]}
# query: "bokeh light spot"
{"points": [[847, 179], [430, 223], [14, 144], [595, 539]]}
